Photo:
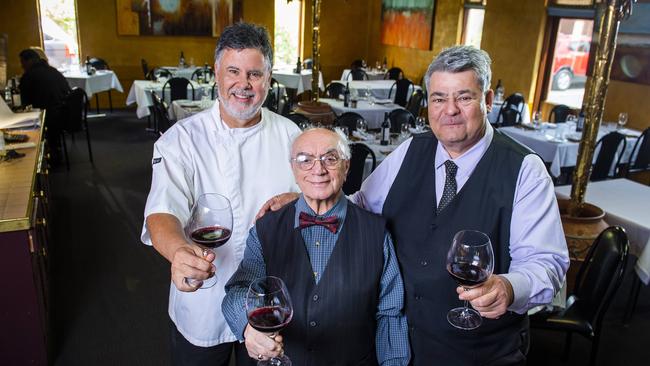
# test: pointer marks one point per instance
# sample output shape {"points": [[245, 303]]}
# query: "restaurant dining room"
{"points": [[154, 155]]}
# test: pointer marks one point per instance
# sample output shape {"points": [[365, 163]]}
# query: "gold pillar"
{"points": [[595, 94], [315, 68]]}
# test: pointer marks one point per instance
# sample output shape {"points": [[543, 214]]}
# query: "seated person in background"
{"points": [[339, 266], [44, 87]]}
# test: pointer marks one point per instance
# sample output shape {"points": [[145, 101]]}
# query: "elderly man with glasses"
{"points": [[339, 266]]}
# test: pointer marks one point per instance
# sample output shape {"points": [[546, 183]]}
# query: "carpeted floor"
{"points": [[109, 292]]}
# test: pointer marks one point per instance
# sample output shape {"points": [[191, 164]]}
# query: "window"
{"points": [[473, 22], [59, 26], [570, 59], [288, 33]]}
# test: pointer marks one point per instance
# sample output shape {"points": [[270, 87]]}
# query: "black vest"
{"points": [[333, 321], [422, 239]]}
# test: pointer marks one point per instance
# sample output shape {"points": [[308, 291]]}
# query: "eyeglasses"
{"points": [[306, 162]]}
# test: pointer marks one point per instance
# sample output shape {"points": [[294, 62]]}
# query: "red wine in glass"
{"points": [[210, 226], [470, 261], [211, 236], [270, 319]]}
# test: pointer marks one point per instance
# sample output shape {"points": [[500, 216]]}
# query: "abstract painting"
{"points": [[176, 17], [407, 23]]}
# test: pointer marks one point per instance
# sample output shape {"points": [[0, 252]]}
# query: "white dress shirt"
{"points": [[201, 154], [538, 248]]}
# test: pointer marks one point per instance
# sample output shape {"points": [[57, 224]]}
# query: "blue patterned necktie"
{"points": [[449, 192]]}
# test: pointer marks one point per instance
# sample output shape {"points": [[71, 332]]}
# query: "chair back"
{"points": [[356, 64], [640, 159], [298, 118], [99, 64], [74, 110], [161, 116], [178, 89], [357, 164], [394, 73], [401, 88], [601, 273], [202, 72], [559, 113], [609, 146], [358, 74], [349, 120], [511, 111], [415, 103], [398, 117], [272, 101], [159, 72], [145, 69], [334, 89], [308, 63]]}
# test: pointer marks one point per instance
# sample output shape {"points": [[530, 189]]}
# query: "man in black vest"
{"points": [[339, 266], [465, 175]]}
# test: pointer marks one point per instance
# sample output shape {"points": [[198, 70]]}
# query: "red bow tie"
{"points": [[331, 223]]}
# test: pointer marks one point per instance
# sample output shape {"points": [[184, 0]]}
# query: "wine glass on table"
{"points": [[210, 227], [362, 127], [622, 120], [269, 310], [470, 261]]}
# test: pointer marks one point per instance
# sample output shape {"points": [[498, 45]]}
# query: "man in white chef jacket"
{"points": [[236, 149]]}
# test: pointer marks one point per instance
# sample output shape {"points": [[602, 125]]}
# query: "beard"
{"points": [[241, 114]]}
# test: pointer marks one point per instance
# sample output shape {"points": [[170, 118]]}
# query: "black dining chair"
{"points": [[100, 64], [74, 114], [610, 145], [398, 117], [177, 89], [360, 153], [598, 278], [559, 113], [161, 119], [358, 74], [202, 72], [308, 63], [415, 103], [272, 101], [349, 120], [511, 112], [334, 89], [159, 72], [640, 156], [298, 118], [394, 73], [402, 88]]}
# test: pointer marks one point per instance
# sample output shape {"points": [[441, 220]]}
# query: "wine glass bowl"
{"points": [[470, 262], [362, 126], [269, 310], [210, 226], [622, 119]]}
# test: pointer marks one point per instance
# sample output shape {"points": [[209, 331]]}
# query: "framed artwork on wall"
{"points": [[176, 17], [407, 23]]}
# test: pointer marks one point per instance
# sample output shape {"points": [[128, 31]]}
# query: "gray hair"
{"points": [[241, 36], [342, 143], [462, 58]]}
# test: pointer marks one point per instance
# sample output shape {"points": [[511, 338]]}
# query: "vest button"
{"points": [[434, 226], [315, 298], [312, 323], [424, 263]]}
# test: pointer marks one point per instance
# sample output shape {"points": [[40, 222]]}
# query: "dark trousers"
{"points": [[184, 353]]}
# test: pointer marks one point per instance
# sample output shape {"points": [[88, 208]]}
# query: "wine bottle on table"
{"points": [[346, 95], [385, 130], [298, 66], [181, 60]]}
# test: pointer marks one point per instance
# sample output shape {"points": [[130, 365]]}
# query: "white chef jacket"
{"points": [[201, 154]]}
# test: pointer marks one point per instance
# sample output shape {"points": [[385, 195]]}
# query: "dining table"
{"points": [[100, 81], [557, 144], [379, 89], [140, 94], [300, 82], [372, 112]]}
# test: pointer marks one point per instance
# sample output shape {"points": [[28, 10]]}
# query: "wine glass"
{"points": [[622, 120], [420, 123], [470, 261], [269, 310], [362, 126], [210, 227], [404, 131]]}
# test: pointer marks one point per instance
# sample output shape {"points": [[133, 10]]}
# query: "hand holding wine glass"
{"points": [[269, 310], [470, 261], [210, 227]]}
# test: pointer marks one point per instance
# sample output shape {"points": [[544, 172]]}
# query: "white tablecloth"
{"points": [[183, 108], [140, 93], [627, 204], [373, 114], [559, 154], [372, 74], [101, 81], [496, 107], [378, 88], [301, 82]]}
